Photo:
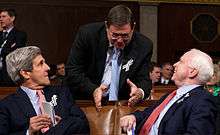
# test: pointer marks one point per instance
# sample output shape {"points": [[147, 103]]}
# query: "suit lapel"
{"points": [[25, 104], [128, 56], [49, 93], [175, 106], [101, 54], [1, 38]]}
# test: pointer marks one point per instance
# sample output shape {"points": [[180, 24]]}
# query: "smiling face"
{"points": [[119, 36], [39, 74], [182, 71]]}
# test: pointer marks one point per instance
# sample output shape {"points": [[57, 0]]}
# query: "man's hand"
{"points": [[97, 95], [38, 122], [136, 93], [127, 122]]}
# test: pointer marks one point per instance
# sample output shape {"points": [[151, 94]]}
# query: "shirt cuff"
{"points": [[27, 133]]}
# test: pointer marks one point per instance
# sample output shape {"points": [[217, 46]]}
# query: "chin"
{"points": [[46, 83]]}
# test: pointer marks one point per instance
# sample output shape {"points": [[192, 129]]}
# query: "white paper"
{"points": [[49, 109], [132, 131]]}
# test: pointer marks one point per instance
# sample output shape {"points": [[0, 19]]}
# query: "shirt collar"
{"points": [[8, 29], [184, 89], [32, 94]]}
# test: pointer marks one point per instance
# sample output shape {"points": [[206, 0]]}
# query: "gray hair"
{"points": [[203, 63], [21, 59]]}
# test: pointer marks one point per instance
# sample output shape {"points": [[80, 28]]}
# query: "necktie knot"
{"points": [[5, 34], [40, 94], [116, 53]]}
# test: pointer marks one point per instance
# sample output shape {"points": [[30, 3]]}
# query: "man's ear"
{"points": [[193, 73], [25, 74], [13, 18]]}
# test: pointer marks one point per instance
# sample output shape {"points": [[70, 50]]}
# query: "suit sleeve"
{"points": [[5, 128], [142, 79], [77, 63], [4, 120], [75, 122], [203, 117]]}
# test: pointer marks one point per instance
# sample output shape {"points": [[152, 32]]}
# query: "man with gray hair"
{"points": [[189, 110], [23, 112]]}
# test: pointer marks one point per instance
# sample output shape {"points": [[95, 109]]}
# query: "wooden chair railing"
{"points": [[107, 120], [158, 91]]}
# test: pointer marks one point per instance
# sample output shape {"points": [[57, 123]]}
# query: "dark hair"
{"points": [[166, 63], [11, 12], [119, 16], [152, 65]]}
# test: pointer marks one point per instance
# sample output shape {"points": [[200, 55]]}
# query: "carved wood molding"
{"points": [[103, 2], [213, 2]]}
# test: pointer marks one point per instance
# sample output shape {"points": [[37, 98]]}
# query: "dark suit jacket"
{"points": [[190, 115], [15, 39], [16, 111], [86, 62]]}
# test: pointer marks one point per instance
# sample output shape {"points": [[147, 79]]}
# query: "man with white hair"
{"points": [[23, 112], [189, 110]]}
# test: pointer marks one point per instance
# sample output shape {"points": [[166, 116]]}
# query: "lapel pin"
{"points": [[54, 100], [127, 65]]}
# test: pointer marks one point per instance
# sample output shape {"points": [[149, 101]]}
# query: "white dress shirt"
{"points": [[179, 93]]}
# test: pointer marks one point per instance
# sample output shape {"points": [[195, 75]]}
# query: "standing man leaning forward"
{"points": [[90, 65], [21, 113], [192, 110]]}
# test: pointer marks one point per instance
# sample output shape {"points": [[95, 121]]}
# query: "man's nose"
{"points": [[119, 39]]}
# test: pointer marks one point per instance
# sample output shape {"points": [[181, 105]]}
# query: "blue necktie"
{"points": [[115, 75]]}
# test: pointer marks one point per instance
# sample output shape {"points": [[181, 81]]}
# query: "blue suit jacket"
{"points": [[194, 114], [16, 111]]}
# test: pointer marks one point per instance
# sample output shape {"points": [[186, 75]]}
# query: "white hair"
{"points": [[203, 63]]}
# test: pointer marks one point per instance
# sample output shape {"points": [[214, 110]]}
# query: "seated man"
{"points": [[166, 74], [189, 110], [22, 112], [154, 72], [59, 75]]}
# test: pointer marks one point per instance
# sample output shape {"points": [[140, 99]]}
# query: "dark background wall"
{"points": [[52, 24], [174, 30]]}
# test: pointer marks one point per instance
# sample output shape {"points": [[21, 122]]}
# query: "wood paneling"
{"points": [[52, 24], [174, 37]]}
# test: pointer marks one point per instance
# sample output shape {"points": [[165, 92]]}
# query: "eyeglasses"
{"points": [[118, 35]]}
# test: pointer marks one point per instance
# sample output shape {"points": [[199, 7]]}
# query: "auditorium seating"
{"points": [[106, 122]]}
